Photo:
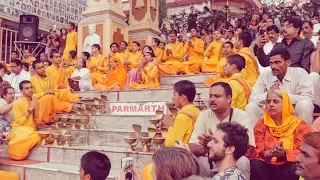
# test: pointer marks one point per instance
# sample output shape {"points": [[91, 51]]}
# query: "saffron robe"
{"points": [[149, 80], [195, 56], [213, 56], [173, 62], [71, 44]]}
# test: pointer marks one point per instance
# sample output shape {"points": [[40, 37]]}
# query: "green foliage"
{"points": [[162, 10]]}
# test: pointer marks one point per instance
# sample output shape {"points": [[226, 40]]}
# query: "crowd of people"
{"points": [[259, 124]]}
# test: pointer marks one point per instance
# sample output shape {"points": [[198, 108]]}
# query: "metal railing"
{"points": [[7, 36]]}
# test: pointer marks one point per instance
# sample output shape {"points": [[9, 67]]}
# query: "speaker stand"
{"points": [[34, 47]]}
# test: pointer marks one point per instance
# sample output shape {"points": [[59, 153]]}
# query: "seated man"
{"points": [[195, 49], [295, 81], [94, 166], [220, 98], [48, 94], [181, 126], [27, 57], [314, 73], [26, 116], [97, 64], [157, 50], [59, 79], [134, 58], [240, 88]]}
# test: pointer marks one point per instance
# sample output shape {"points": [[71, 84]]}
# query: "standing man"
{"points": [[300, 49], [71, 41]]}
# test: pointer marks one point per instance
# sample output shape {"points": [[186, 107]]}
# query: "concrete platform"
{"points": [[196, 78], [49, 171]]}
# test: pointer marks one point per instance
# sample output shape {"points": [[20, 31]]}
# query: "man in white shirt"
{"points": [[82, 74], [220, 98], [18, 75], [294, 80], [307, 29]]}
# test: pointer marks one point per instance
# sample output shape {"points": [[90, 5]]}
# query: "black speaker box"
{"points": [[28, 28]]}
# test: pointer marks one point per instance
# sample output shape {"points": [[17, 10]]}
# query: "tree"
{"points": [[162, 11]]}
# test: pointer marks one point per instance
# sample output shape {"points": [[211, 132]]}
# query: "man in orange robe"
{"points": [[157, 51], [134, 58], [97, 64], [28, 58], [71, 41]]}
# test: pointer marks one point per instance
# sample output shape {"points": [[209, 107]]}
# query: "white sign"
{"points": [[138, 109]]}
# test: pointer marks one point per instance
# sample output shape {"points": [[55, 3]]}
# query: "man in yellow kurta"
{"points": [[213, 54], [195, 54], [123, 51], [251, 70], [27, 57], [24, 136], [71, 41], [157, 51], [114, 47], [241, 89], [134, 58], [48, 93], [97, 65], [172, 57]]}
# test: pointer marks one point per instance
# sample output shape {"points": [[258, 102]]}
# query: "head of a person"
{"points": [[147, 48], [173, 36], [274, 103], [254, 17], [173, 163], [237, 32], [25, 66], [265, 17], [26, 53], [43, 57], [230, 142], [85, 55], [95, 48], [270, 22], [135, 46], [55, 57], [148, 57], [81, 63], [279, 61], [123, 45], [71, 26], [244, 40], [155, 42], [184, 93], [114, 47], [94, 166], [273, 33], [220, 97], [114, 62], [235, 63], [308, 161], [227, 48], [53, 33], [46, 64], [292, 27], [217, 35], [307, 29], [63, 31], [193, 32], [162, 45], [180, 38], [72, 54], [16, 66], [8, 94], [39, 67], [14, 54], [26, 88], [230, 34]]}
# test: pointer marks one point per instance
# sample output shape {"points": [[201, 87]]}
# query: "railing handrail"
{"points": [[9, 29]]}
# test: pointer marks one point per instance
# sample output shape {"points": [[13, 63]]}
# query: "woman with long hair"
{"points": [[63, 36], [6, 114]]}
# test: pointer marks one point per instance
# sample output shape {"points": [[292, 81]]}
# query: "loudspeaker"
{"points": [[28, 28]]}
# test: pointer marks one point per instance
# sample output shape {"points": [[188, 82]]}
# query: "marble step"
{"points": [[72, 155], [196, 78], [49, 171]]}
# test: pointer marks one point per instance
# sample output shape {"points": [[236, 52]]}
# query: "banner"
{"points": [[137, 109]]}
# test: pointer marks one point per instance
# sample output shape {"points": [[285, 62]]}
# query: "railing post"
{"points": [[1, 44]]}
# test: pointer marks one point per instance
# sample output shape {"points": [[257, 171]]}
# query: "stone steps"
{"points": [[196, 78], [49, 171]]}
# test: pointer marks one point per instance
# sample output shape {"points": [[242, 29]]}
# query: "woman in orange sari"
{"points": [[278, 139], [116, 77]]}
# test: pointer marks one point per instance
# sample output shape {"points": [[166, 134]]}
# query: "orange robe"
{"points": [[60, 76], [149, 80], [71, 44], [195, 57], [117, 78], [241, 91], [251, 69], [23, 136], [158, 52], [101, 64], [173, 63], [9, 175], [123, 55], [29, 59], [135, 59], [213, 56]]}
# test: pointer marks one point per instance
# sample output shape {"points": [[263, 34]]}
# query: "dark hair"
{"points": [[73, 53], [72, 24], [295, 21], [2, 66], [231, 31], [226, 87], [237, 60], [86, 54], [186, 88], [96, 46], [96, 164], [54, 51], [235, 135], [283, 52], [62, 29], [246, 38], [34, 63], [156, 40], [22, 83], [230, 43], [14, 52], [16, 61], [271, 19], [84, 63], [137, 43], [174, 32], [149, 47], [27, 50], [50, 63], [25, 64], [274, 28], [114, 44], [309, 22], [4, 90], [1, 80], [151, 54], [125, 42]]}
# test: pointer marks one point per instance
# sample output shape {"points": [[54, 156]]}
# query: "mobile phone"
{"points": [[126, 165]]}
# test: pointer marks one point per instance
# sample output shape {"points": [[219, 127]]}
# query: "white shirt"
{"points": [[296, 83], [14, 81], [85, 83], [267, 49], [208, 120], [314, 40], [9, 115]]}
